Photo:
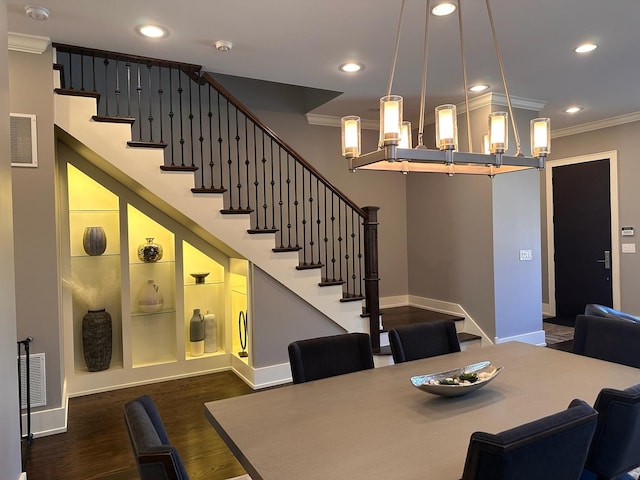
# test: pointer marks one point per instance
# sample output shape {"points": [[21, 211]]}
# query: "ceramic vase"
{"points": [[149, 252], [150, 298], [97, 340], [210, 333], [196, 333], [94, 241]]}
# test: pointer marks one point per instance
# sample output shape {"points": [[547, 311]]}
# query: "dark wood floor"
{"points": [[96, 445]]}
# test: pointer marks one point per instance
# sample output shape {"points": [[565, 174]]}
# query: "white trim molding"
{"points": [[534, 338], [597, 125], [20, 42]]}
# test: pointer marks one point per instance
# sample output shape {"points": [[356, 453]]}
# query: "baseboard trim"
{"points": [[394, 301], [534, 338], [23, 476], [262, 377], [47, 422]]}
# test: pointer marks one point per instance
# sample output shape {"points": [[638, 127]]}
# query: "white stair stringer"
{"points": [[142, 167]]}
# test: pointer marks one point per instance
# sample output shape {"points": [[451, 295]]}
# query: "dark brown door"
{"points": [[582, 236]]}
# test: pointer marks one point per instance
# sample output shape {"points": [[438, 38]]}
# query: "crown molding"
{"points": [[488, 99], [597, 125], [333, 121], [19, 42]]}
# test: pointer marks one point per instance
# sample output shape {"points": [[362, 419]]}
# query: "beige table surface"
{"points": [[375, 424]]}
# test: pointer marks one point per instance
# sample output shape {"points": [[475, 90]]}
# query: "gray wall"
{"points": [[622, 138], [35, 224], [279, 318], [9, 408]]}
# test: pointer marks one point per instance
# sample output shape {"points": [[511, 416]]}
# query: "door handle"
{"points": [[606, 260]]}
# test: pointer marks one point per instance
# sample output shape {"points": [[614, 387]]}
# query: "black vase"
{"points": [[94, 241], [96, 340]]}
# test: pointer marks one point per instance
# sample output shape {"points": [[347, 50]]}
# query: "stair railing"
{"points": [[203, 128]]}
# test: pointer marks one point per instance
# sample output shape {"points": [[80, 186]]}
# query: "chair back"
{"points": [[608, 339], [551, 448], [422, 340], [156, 458], [615, 448], [323, 357]]}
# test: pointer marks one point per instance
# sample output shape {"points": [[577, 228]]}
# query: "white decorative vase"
{"points": [[210, 333], [150, 299]]}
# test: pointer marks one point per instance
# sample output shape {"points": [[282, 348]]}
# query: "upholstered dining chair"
{"points": [[551, 448], [155, 457], [615, 448], [322, 357], [609, 339], [422, 340]]}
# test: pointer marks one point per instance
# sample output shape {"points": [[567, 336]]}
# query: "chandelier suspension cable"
{"points": [[423, 89], [395, 49], [504, 80], [464, 77]]}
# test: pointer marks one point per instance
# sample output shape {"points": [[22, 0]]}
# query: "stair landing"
{"points": [[406, 315]]}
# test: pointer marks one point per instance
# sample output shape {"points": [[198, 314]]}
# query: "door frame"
{"points": [[612, 155]]}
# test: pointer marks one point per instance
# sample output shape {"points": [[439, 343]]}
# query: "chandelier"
{"points": [[395, 151]]}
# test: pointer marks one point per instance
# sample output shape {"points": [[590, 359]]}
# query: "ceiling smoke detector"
{"points": [[224, 45], [37, 13]]}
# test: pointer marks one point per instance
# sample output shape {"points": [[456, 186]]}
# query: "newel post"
{"points": [[371, 280]]}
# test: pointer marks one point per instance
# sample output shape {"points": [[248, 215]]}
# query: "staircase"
{"points": [[170, 132]]}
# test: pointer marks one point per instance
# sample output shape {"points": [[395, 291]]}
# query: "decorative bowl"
{"points": [[429, 383], [199, 276]]}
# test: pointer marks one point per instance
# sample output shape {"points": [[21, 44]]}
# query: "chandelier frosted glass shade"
{"points": [[350, 136], [540, 137]]}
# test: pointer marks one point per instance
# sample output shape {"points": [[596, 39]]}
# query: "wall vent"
{"points": [[37, 381], [24, 144]]}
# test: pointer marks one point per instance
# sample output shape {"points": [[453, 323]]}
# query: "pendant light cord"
{"points": [[423, 90], [395, 49], [504, 80], [464, 78]]}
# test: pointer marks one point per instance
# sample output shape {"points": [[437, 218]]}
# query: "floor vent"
{"points": [[37, 381]]}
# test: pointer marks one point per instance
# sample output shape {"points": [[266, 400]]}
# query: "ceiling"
{"points": [[303, 42]]}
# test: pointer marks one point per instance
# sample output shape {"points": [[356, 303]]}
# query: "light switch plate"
{"points": [[526, 255]]}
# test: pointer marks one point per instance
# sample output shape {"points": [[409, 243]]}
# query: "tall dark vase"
{"points": [[96, 339]]}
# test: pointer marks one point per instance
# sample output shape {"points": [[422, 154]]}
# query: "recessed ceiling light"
{"points": [[586, 47], [351, 67], [444, 8], [573, 109], [152, 31], [478, 88], [37, 13]]}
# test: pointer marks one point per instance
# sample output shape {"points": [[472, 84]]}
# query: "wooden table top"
{"points": [[376, 424]]}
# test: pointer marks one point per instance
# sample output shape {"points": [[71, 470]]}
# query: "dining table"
{"points": [[376, 424]]}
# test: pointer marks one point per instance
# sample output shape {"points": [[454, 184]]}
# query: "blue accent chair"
{"points": [[615, 448], [551, 448], [609, 339], [323, 357], [423, 340], [156, 458]]}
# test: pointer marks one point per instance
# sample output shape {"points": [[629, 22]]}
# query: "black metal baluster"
{"points": [[238, 183], [117, 90], [280, 202], [106, 83], [256, 183], [139, 90], [190, 122], [273, 186], [247, 162], [220, 142], [288, 203], [360, 240], [128, 65], [82, 72], [71, 72], [93, 74], [340, 277], [229, 161], [180, 90], [201, 137], [311, 225], [326, 238], [160, 97], [150, 118], [211, 162], [171, 115], [333, 242], [304, 221]]}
